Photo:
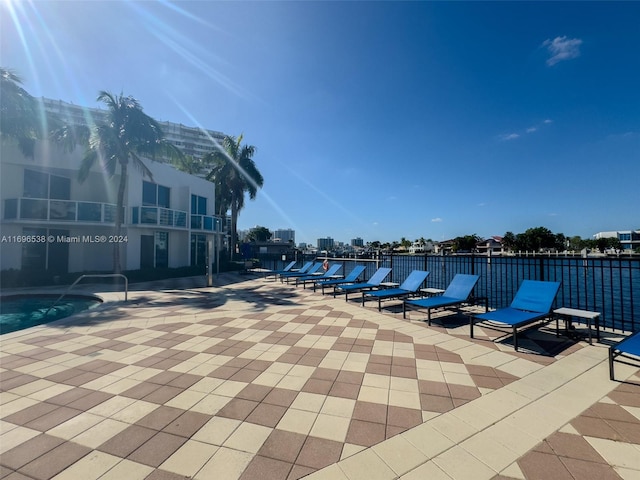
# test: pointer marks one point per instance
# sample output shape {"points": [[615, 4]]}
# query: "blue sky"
{"points": [[375, 119]]}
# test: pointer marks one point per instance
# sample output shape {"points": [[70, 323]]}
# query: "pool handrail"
{"points": [[81, 277]]}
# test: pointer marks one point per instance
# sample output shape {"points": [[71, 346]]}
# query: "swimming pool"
{"points": [[18, 312]]}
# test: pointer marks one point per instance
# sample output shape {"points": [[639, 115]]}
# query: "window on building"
{"points": [[198, 205], [34, 255], [149, 193], [164, 196], [36, 184], [44, 185], [59, 188], [162, 249], [155, 195], [198, 249]]}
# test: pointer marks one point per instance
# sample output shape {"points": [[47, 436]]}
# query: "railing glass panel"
{"points": [[149, 215], [11, 208], [89, 212], [33, 209], [180, 219], [62, 210]]}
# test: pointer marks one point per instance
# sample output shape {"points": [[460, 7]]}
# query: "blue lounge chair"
{"points": [[302, 269], [314, 268], [456, 294], [410, 285], [629, 349], [351, 278], [333, 270], [532, 303], [374, 282], [275, 273]]}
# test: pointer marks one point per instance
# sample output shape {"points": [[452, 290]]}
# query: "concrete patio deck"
{"points": [[252, 379]]}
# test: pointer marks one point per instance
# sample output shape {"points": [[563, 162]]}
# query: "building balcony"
{"points": [[55, 211], [158, 217], [206, 223]]}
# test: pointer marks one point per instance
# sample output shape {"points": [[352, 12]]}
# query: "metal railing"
{"points": [[208, 223], [154, 216], [81, 277], [58, 210], [609, 285]]}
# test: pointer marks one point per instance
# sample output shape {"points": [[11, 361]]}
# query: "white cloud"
{"points": [[436, 220], [505, 137], [509, 136], [562, 48]]}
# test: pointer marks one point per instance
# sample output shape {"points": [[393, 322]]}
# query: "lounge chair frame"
{"points": [[292, 276], [410, 286], [275, 273], [531, 304], [458, 293], [373, 282], [629, 349], [331, 273], [353, 277]]}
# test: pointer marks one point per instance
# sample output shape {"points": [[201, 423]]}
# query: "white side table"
{"points": [[432, 291], [590, 317]]}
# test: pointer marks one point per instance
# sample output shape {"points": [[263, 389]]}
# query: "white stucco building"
{"points": [[52, 222], [629, 239]]}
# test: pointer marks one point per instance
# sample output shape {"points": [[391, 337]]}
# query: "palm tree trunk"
{"points": [[234, 227], [119, 214]]}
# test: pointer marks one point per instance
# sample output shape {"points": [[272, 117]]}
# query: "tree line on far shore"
{"points": [[532, 240]]}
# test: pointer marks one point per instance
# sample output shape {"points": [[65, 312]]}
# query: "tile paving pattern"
{"points": [[589, 447], [253, 380]]}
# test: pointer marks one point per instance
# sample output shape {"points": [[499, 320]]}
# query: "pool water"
{"points": [[18, 312]]}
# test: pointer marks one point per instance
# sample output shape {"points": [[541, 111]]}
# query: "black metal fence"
{"points": [[609, 285]]}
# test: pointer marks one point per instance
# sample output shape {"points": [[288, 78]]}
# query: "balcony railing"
{"points": [[53, 210], [158, 216], [206, 223]]}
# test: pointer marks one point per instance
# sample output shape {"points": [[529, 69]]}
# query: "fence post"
{"points": [[541, 268]]}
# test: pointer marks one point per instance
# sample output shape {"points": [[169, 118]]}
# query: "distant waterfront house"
{"points": [[52, 223], [491, 245], [421, 247], [629, 239], [444, 247]]}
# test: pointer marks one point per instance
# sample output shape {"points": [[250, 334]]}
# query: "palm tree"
{"points": [[127, 136], [19, 118], [234, 173], [189, 164]]}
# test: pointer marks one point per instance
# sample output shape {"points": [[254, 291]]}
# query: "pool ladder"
{"points": [[81, 277]]}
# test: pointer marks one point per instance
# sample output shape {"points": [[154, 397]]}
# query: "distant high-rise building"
{"points": [[325, 243], [357, 242], [192, 141], [285, 235]]}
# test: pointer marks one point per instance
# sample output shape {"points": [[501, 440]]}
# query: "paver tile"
{"points": [[238, 382]]}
